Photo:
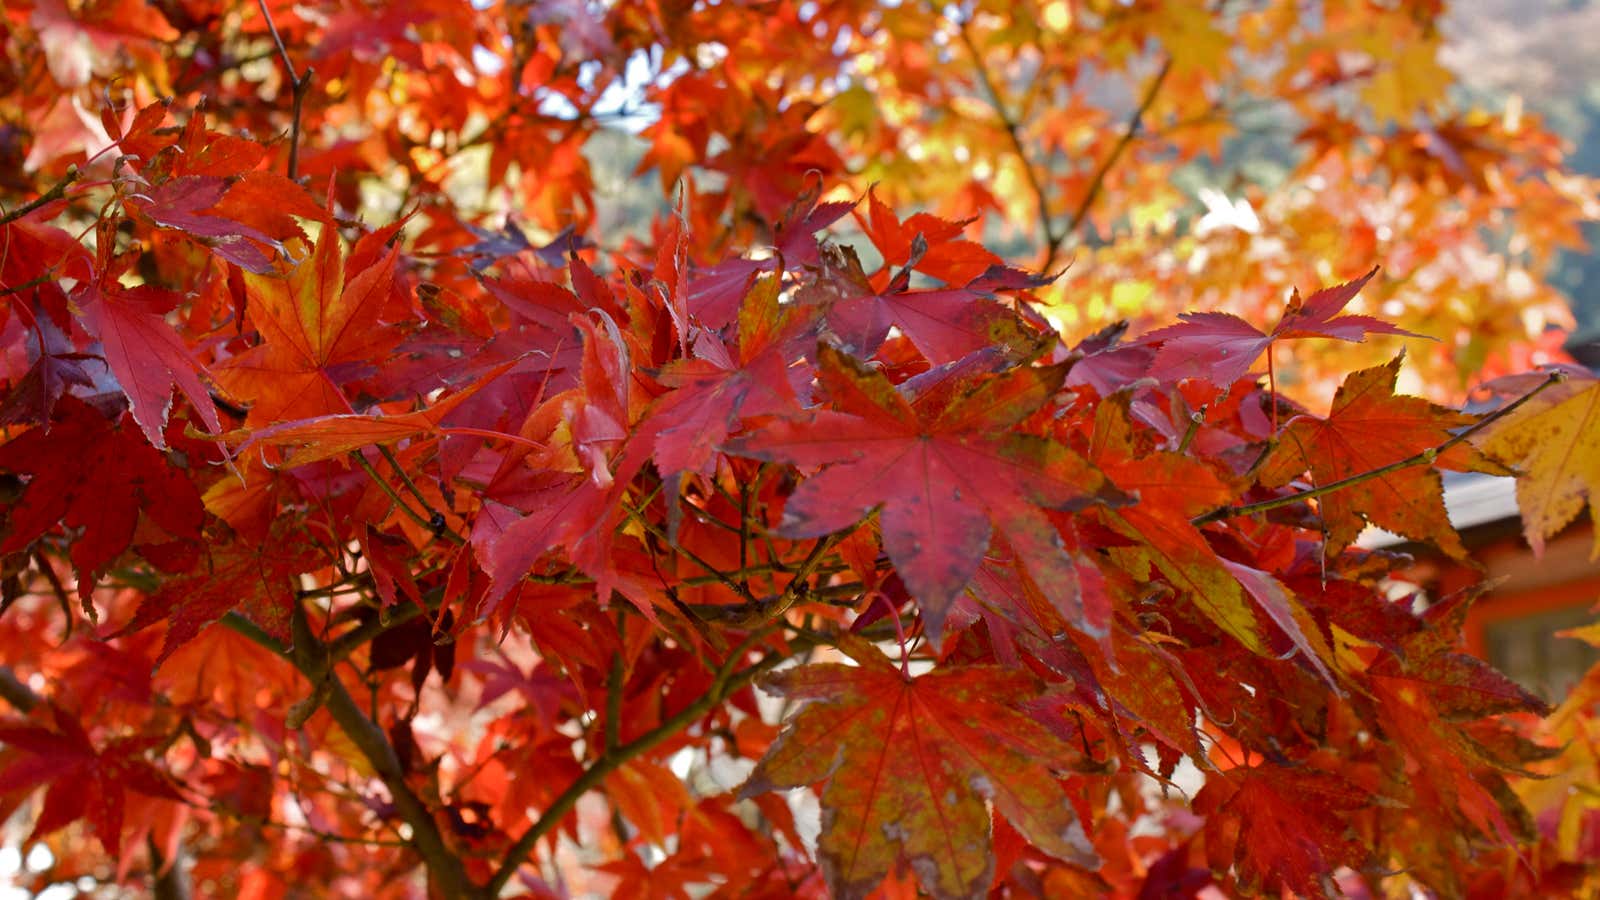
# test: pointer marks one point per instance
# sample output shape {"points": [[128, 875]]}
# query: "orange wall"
{"points": [[1564, 577], [1499, 606]]}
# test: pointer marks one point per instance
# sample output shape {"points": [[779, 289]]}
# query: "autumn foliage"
{"points": [[381, 517]]}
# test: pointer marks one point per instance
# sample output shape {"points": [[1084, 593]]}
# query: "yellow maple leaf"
{"points": [[1410, 81], [1554, 442], [1189, 32]]}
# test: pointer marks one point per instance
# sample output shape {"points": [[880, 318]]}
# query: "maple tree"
{"points": [[361, 537]]}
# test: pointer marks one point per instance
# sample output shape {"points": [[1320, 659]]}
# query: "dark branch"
{"points": [[14, 692]]}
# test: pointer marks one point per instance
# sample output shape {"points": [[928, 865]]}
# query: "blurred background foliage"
{"points": [[1535, 52], [1164, 155], [1505, 64]]}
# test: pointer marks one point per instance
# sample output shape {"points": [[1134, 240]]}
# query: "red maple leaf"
{"points": [[944, 323], [1429, 695], [947, 469], [912, 765], [326, 437], [184, 204], [1171, 488], [256, 579], [31, 251], [925, 242], [1282, 828], [1221, 347], [719, 388], [320, 325], [57, 366], [85, 472], [1368, 428], [85, 782], [716, 293], [148, 357]]}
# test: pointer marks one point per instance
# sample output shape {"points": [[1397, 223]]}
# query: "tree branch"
{"points": [[1013, 129], [444, 866], [615, 682], [728, 679], [1422, 458], [167, 877], [310, 656], [1098, 182], [347, 643]]}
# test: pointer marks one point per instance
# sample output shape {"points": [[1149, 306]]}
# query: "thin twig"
{"points": [[435, 517], [768, 569], [35, 281], [328, 836], [1422, 458], [299, 84], [56, 192], [808, 567], [203, 75], [721, 576], [425, 521], [405, 478], [744, 532]]}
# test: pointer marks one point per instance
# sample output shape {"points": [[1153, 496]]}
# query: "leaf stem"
{"points": [[1196, 419], [1272, 385], [60, 590], [1421, 458]]}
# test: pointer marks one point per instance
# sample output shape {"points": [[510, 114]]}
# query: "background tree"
{"points": [[379, 513]]}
